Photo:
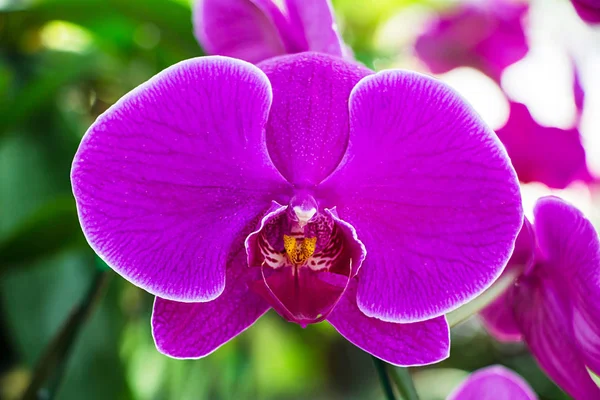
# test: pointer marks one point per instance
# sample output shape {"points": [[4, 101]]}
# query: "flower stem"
{"points": [[384, 378], [54, 360], [404, 383]]}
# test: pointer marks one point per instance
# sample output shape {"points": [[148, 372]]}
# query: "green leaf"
{"points": [[44, 87], [36, 302], [54, 227], [49, 370], [174, 20]]}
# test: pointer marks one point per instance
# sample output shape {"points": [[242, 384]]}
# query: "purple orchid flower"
{"points": [[588, 10], [225, 190], [255, 30], [552, 156], [486, 35], [493, 383], [554, 303]]}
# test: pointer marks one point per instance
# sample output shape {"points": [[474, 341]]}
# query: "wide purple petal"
{"points": [[544, 314], [418, 343], [168, 178], [588, 10], [548, 155], [307, 132], [316, 21], [431, 193], [193, 330], [570, 243], [493, 383], [251, 30]]}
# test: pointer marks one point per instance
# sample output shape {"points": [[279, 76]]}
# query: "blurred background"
{"points": [[63, 62]]}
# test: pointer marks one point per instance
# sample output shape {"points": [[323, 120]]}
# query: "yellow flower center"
{"points": [[299, 250]]}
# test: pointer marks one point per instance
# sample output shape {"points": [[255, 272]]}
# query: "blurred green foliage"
{"points": [[62, 63]]}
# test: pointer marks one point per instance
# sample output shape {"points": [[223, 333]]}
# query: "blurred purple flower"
{"points": [[578, 92], [588, 10], [486, 35], [554, 305], [493, 383], [305, 163], [552, 156], [255, 30]]}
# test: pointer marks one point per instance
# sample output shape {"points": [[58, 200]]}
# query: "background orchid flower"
{"points": [[493, 383], [553, 305], [552, 156], [588, 10], [486, 35], [377, 202], [255, 30]]}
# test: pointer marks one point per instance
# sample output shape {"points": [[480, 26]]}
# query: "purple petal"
{"points": [[548, 155], [193, 330], [488, 36], [588, 10], [567, 240], [431, 193], [316, 21], [418, 343], [570, 243], [498, 317], [251, 30], [586, 326], [544, 314], [493, 383], [307, 132], [168, 180]]}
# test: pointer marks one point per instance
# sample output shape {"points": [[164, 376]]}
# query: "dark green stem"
{"points": [[384, 378], [404, 383], [52, 364]]}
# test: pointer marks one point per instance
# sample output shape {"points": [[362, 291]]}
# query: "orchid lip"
{"points": [[305, 257]]}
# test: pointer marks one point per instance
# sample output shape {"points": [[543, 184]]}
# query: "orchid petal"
{"points": [[316, 20], [412, 344], [431, 194], [571, 245], [170, 177], [544, 316], [493, 383], [552, 156], [588, 10], [251, 30], [307, 132], [567, 240], [194, 330], [586, 326], [487, 35]]}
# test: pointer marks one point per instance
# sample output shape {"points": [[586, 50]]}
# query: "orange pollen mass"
{"points": [[299, 250]]}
